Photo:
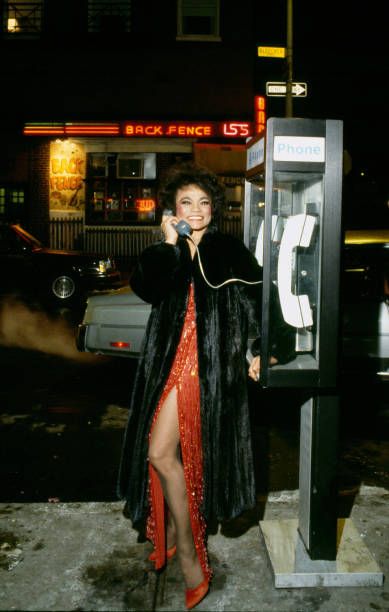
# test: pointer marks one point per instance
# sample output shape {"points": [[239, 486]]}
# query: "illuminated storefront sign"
{"points": [[259, 114], [66, 180], [162, 129], [95, 129], [197, 130], [206, 129], [71, 129], [236, 129], [144, 204]]}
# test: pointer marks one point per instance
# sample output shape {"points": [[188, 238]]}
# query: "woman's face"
{"points": [[195, 206]]}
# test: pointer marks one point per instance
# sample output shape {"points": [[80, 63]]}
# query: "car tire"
{"points": [[64, 288]]}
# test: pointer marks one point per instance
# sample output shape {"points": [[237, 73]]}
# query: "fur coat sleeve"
{"points": [[224, 317]]}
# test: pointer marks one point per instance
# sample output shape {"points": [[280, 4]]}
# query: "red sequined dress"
{"points": [[183, 376]]}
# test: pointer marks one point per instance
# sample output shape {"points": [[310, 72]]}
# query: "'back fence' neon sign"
{"points": [[145, 129]]}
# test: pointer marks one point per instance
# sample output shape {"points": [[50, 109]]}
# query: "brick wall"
{"points": [[38, 196]]}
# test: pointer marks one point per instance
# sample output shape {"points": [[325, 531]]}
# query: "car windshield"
{"points": [[31, 240]]}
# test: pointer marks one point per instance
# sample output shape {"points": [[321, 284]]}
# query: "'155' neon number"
{"points": [[236, 129]]}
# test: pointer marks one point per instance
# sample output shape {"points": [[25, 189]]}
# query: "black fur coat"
{"points": [[224, 316]]}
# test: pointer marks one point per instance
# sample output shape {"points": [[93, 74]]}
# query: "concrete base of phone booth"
{"points": [[292, 567]]}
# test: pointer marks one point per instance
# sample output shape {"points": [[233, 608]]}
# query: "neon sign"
{"points": [[94, 129], [236, 129], [259, 114], [145, 129], [145, 204], [71, 129], [198, 129], [44, 129]]}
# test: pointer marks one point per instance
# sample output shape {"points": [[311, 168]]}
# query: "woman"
{"points": [[187, 458]]}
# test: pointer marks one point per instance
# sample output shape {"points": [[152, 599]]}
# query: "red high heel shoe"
{"points": [[194, 596], [169, 553]]}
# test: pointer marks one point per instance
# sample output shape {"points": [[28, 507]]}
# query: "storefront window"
{"points": [[97, 164], [121, 188]]}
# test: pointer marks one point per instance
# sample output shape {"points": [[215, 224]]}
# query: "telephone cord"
{"points": [[229, 280]]}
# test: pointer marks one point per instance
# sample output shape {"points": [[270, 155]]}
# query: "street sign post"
{"points": [[278, 88]]}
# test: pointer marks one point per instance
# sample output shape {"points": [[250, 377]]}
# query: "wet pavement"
{"points": [[65, 543], [61, 427], [85, 556], [62, 423]]}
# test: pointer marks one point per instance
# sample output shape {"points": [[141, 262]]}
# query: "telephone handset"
{"points": [[182, 227]]}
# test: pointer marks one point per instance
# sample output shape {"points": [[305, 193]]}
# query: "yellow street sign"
{"points": [[271, 52]]}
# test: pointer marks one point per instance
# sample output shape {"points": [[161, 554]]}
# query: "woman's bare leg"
{"points": [[164, 455], [171, 536]]}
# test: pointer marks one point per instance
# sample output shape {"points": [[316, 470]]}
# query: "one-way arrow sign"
{"points": [[278, 88]]}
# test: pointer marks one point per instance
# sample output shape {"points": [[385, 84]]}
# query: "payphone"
{"points": [[292, 223]]}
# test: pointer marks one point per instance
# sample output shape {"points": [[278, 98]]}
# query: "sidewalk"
{"points": [[85, 556]]}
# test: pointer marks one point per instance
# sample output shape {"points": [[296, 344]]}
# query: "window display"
{"points": [[119, 188]]}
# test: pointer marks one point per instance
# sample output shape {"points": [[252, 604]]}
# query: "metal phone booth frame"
{"points": [[292, 223]]}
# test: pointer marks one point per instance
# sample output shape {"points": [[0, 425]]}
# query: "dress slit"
{"points": [[184, 376]]}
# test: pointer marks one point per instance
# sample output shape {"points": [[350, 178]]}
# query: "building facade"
{"points": [[102, 97]]}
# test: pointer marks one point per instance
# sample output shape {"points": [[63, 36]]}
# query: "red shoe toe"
{"points": [[194, 596]]}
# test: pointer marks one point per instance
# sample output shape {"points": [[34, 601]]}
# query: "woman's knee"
{"points": [[162, 460]]}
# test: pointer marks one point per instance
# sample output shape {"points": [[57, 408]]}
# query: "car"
{"points": [[114, 323], [365, 302], [35, 273], [364, 363]]}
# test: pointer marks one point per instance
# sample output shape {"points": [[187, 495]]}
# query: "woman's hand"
{"points": [[255, 368], [169, 232]]}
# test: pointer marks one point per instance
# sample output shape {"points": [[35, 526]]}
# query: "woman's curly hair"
{"points": [[189, 173]]}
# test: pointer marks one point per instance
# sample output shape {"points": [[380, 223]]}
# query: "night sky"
{"points": [[343, 57]]}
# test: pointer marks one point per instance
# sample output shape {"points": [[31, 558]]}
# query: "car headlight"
{"points": [[103, 266], [100, 266], [106, 264]]}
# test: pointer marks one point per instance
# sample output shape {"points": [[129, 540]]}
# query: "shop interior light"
{"points": [[12, 25]]}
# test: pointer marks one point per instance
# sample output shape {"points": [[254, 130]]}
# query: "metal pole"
{"points": [[289, 59], [318, 472]]}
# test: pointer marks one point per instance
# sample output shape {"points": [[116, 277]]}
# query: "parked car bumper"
{"points": [[114, 323]]}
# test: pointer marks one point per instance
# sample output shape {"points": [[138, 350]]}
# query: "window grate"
{"points": [[198, 20], [12, 201], [23, 17], [2, 200], [109, 16]]}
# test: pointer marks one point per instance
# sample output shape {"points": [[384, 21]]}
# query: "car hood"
{"points": [[72, 255], [116, 297]]}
